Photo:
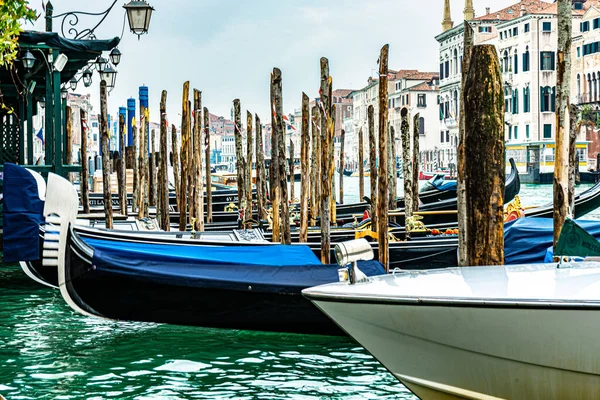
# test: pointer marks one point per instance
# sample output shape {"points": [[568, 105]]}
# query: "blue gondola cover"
{"points": [[271, 268], [24, 193]]}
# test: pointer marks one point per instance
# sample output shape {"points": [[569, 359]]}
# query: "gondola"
{"points": [[255, 286]]}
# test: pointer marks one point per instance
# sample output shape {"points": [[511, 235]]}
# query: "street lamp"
{"points": [[138, 14], [100, 63], [73, 83], [109, 75], [28, 60], [63, 92], [87, 77], [115, 56]]}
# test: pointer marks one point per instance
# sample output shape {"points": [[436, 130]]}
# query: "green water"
{"points": [[49, 352]]}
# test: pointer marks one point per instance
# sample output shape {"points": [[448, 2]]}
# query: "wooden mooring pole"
{"points": [[198, 197], [305, 178], [69, 139], [563, 129], [261, 175], [104, 137], [372, 165], [382, 199], [406, 167], [275, 192], [136, 168], [361, 165], [461, 196], [239, 157], [152, 173], [342, 166], [415, 162], [175, 151], [209, 216], [392, 173], [164, 166], [327, 132], [84, 179], [485, 164], [292, 175], [279, 130], [121, 167], [249, 158], [315, 179], [185, 142]]}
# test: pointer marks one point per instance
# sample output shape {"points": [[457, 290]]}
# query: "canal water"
{"points": [[49, 352]]}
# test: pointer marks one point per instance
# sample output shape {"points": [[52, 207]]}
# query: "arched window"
{"points": [[545, 99], [578, 85], [594, 87], [526, 101], [589, 87], [455, 61], [505, 59], [421, 126], [515, 101], [516, 63], [455, 103]]}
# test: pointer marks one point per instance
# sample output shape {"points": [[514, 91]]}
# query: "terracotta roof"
{"points": [[514, 11], [423, 87], [341, 92], [553, 9]]}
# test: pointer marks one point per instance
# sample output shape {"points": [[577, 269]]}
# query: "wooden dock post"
{"points": [[185, 142], [275, 192], [406, 167], [69, 140], [382, 199], [152, 172], [415, 165], [485, 165], [104, 137], [142, 188], [372, 165], [292, 177], [121, 167], [239, 156], [573, 158], [136, 168], [249, 158], [198, 196], [361, 165], [326, 143], [175, 150], [342, 167], [279, 130], [207, 156], [191, 212], [261, 175], [461, 197], [164, 166], [304, 165], [84, 179], [315, 195], [563, 82], [392, 173]]}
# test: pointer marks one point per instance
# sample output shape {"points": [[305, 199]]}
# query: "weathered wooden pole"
{"points": [[142, 187], [361, 164], [382, 199], [326, 183], [573, 159], [84, 179], [415, 165], [275, 192], [292, 178], [164, 166], [406, 167], [104, 137], [69, 139], [392, 177], [331, 162], [197, 151], [461, 196], [121, 167], [249, 158], [304, 164], [136, 167], [563, 129], [190, 166], [261, 175], [315, 195], [372, 165], [207, 156], [342, 167], [279, 129], [239, 156], [485, 165], [185, 142], [153, 174], [175, 150]]}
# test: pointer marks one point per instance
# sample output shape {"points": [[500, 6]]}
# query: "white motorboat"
{"points": [[513, 332]]}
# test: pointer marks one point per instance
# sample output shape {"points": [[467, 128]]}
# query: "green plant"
{"points": [[13, 13]]}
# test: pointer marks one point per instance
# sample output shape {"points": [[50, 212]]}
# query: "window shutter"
{"points": [[542, 107], [553, 100], [552, 54]]}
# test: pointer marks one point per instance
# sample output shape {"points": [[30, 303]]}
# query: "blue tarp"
{"points": [[23, 214], [272, 268], [444, 185], [527, 240]]}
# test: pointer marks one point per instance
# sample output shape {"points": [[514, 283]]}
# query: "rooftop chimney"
{"points": [[487, 11], [523, 10]]}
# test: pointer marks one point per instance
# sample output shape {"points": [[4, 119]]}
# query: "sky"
{"points": [[228, 48]]}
